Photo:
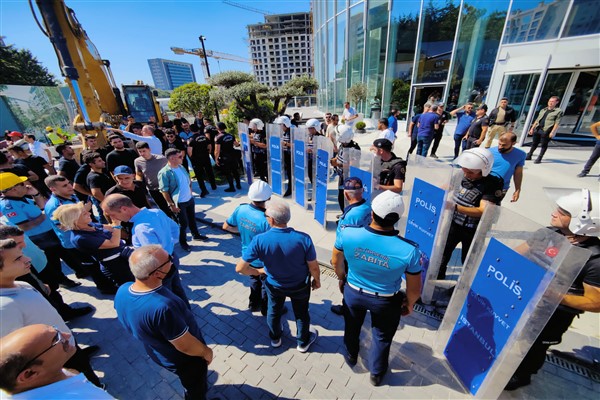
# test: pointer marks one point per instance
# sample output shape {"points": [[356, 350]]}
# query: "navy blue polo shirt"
{"points": [[427, 124]]}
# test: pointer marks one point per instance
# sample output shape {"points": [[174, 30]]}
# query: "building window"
{"points": [[584, 18], [548, 17]]}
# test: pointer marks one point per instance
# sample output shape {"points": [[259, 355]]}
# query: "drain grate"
{"points": [[432, 314], [573, 367]]}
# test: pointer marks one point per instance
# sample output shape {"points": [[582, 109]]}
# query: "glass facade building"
{"points": [[454, 51], [168, 74]]}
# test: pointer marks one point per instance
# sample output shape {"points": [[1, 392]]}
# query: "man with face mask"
{"points": [[508, 162]]}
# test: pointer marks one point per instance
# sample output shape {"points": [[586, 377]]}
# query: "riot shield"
{"points": [[428, 186], [300, 166], [514, 277], [352, 159], [361, 167], [246, 151], [275, 157], [324, 152]]}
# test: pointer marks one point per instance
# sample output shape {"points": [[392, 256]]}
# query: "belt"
{"points": [[110, 258], [371, 293]]}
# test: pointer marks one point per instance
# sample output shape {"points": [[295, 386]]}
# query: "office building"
{"points": [[454, 51], [281, 48], [168, 74]]}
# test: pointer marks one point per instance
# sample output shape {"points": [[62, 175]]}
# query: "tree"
{"points": [[240, 87], [20, 67], [297, 86], [357, 93], [191, 98]]}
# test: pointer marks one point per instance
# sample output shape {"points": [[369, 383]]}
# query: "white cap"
{"points": [[344, 133], [477, 158], [283, 120], [313, 123], [259, 191], [256, 123], [578, 203], [388, 203]]}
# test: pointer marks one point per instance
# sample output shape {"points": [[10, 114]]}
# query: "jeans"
{"points": [[458, 144], [457, 234], [299, 297], [258, 295], [539, 137], [187, 218], [385, 318], [593, 158], [423, 144]]}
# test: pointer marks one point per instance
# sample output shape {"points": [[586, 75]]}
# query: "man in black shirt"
{"points": [[478, 129], [438, 133], [174, 141], [91, 146], [199, 149], [128, 186], [97, 180], [67, 166], [120, 155], [393, 168], [6, 165], [36, 164]]}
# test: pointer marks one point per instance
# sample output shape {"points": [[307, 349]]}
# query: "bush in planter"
{"points": [[360, 126]]}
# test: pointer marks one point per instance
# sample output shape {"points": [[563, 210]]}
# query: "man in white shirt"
{"points": [[350, 115], [386, 132], [147, 136], [38, 148]]}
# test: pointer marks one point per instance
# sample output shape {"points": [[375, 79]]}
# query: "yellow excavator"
{"points": [[93, 88]]}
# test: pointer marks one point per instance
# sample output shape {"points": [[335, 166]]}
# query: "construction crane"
{"points": [[245, 7], [213, 54]]}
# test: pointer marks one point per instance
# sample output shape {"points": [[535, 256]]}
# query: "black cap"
{"points": [[383, 144], [353, 183], [482, 107]]}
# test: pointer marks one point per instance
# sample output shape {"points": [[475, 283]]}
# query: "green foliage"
{"points": [[357, 93], [297, 86], [264, 112], [20, 67], [191, 98], [400, 93], [360, 125], [229, 79], [161, 92]]}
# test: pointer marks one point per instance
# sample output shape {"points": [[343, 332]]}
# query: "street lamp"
{"points": [[202, 39]]}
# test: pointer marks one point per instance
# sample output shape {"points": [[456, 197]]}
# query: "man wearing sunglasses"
{"points": [[32, 360], [162, 321]]}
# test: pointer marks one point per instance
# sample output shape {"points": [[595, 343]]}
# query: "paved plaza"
{"points": [[245, 366]]}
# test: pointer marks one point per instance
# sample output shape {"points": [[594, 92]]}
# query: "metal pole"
{"points": [[202, 38]]}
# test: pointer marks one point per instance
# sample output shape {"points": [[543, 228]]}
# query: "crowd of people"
{"points": [[118, 215]]}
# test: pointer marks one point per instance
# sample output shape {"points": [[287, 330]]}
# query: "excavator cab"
{"points": [[141, 103]]}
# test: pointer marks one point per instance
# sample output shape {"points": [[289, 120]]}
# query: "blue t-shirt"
{"points": [[377, 259], [155, 318], [427, 124], [51, 205], [18, 211], [464, 122], [285, 253], [357, 214], [393, 123], [506, 163], [250, 221], [152, 226], [90, 241]]}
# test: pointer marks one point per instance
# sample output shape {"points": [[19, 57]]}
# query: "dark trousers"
{"points": [[77, 260], [258, 295], [54, 297], [300, 298], [458, 143], [81, 363], [193, 375], [457, 234], [385, 318], [287, 165], [423, 144], [50, 245], [260, 165], [117, 270], [540, 138], [204, 171], [437, 138], [229, 168], [187, 218], [160, 201], [552, 333], [173, 281], [593, 158], [413, 143]]}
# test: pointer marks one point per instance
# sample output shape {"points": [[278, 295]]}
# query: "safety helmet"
{"points": [[344, 133], [49, 129], [477, 158], [283, 120], [259, 191], [388, 203], [8, 180], [257, 124], [313, 123], [578, 203]]}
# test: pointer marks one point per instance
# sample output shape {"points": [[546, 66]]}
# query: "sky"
{"points": [[129, 32]]}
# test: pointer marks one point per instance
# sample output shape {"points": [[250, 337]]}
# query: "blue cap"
{"points": [[122, 170]]}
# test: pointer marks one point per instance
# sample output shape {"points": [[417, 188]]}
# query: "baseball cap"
{"points": [[388, 205], [353, 183], [122, 170], [383, 144], [483, 107], [15, 134], [8, 180]]}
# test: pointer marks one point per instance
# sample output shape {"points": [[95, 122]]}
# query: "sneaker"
{"points": [[237, 185], [230, 190], [204, 194], [313, 335], [537, 161], [376, 379], [200, 237], [528, 157], [350, 360], [69, 284], [276, 343], [433, 156], [582, 174], [337, 309], [73, 312], [516, 382]]}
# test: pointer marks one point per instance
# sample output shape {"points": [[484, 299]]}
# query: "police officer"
{"points": [[199, 150], [393, 168], [344, 136], [250, 220], [377, 258], [314, 129], [357, 214], [287, 155], [258, 140], [477, 189], [572, 218]]}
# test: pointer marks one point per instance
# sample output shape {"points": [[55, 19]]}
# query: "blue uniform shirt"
{"points": [[377, 259], [53, 203], [154, 227], [506, 163], [393, 123], [18, 211], [285, 253], [155, 318], [357, 214], [464, 122], [250, 221], [427, 124]]}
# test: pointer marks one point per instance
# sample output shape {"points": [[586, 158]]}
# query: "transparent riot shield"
{"points": [[375, 168], [275, 157], [351, 160], [301, 183], [324, 153], [246, 151], [428, 191], [514, 278]]}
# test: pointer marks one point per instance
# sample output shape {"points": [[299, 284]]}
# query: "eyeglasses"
{"points": [[169, 260], [58, 339]]}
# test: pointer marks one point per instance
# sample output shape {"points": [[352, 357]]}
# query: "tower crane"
{"points": [[213, 54], [245, 7]]}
